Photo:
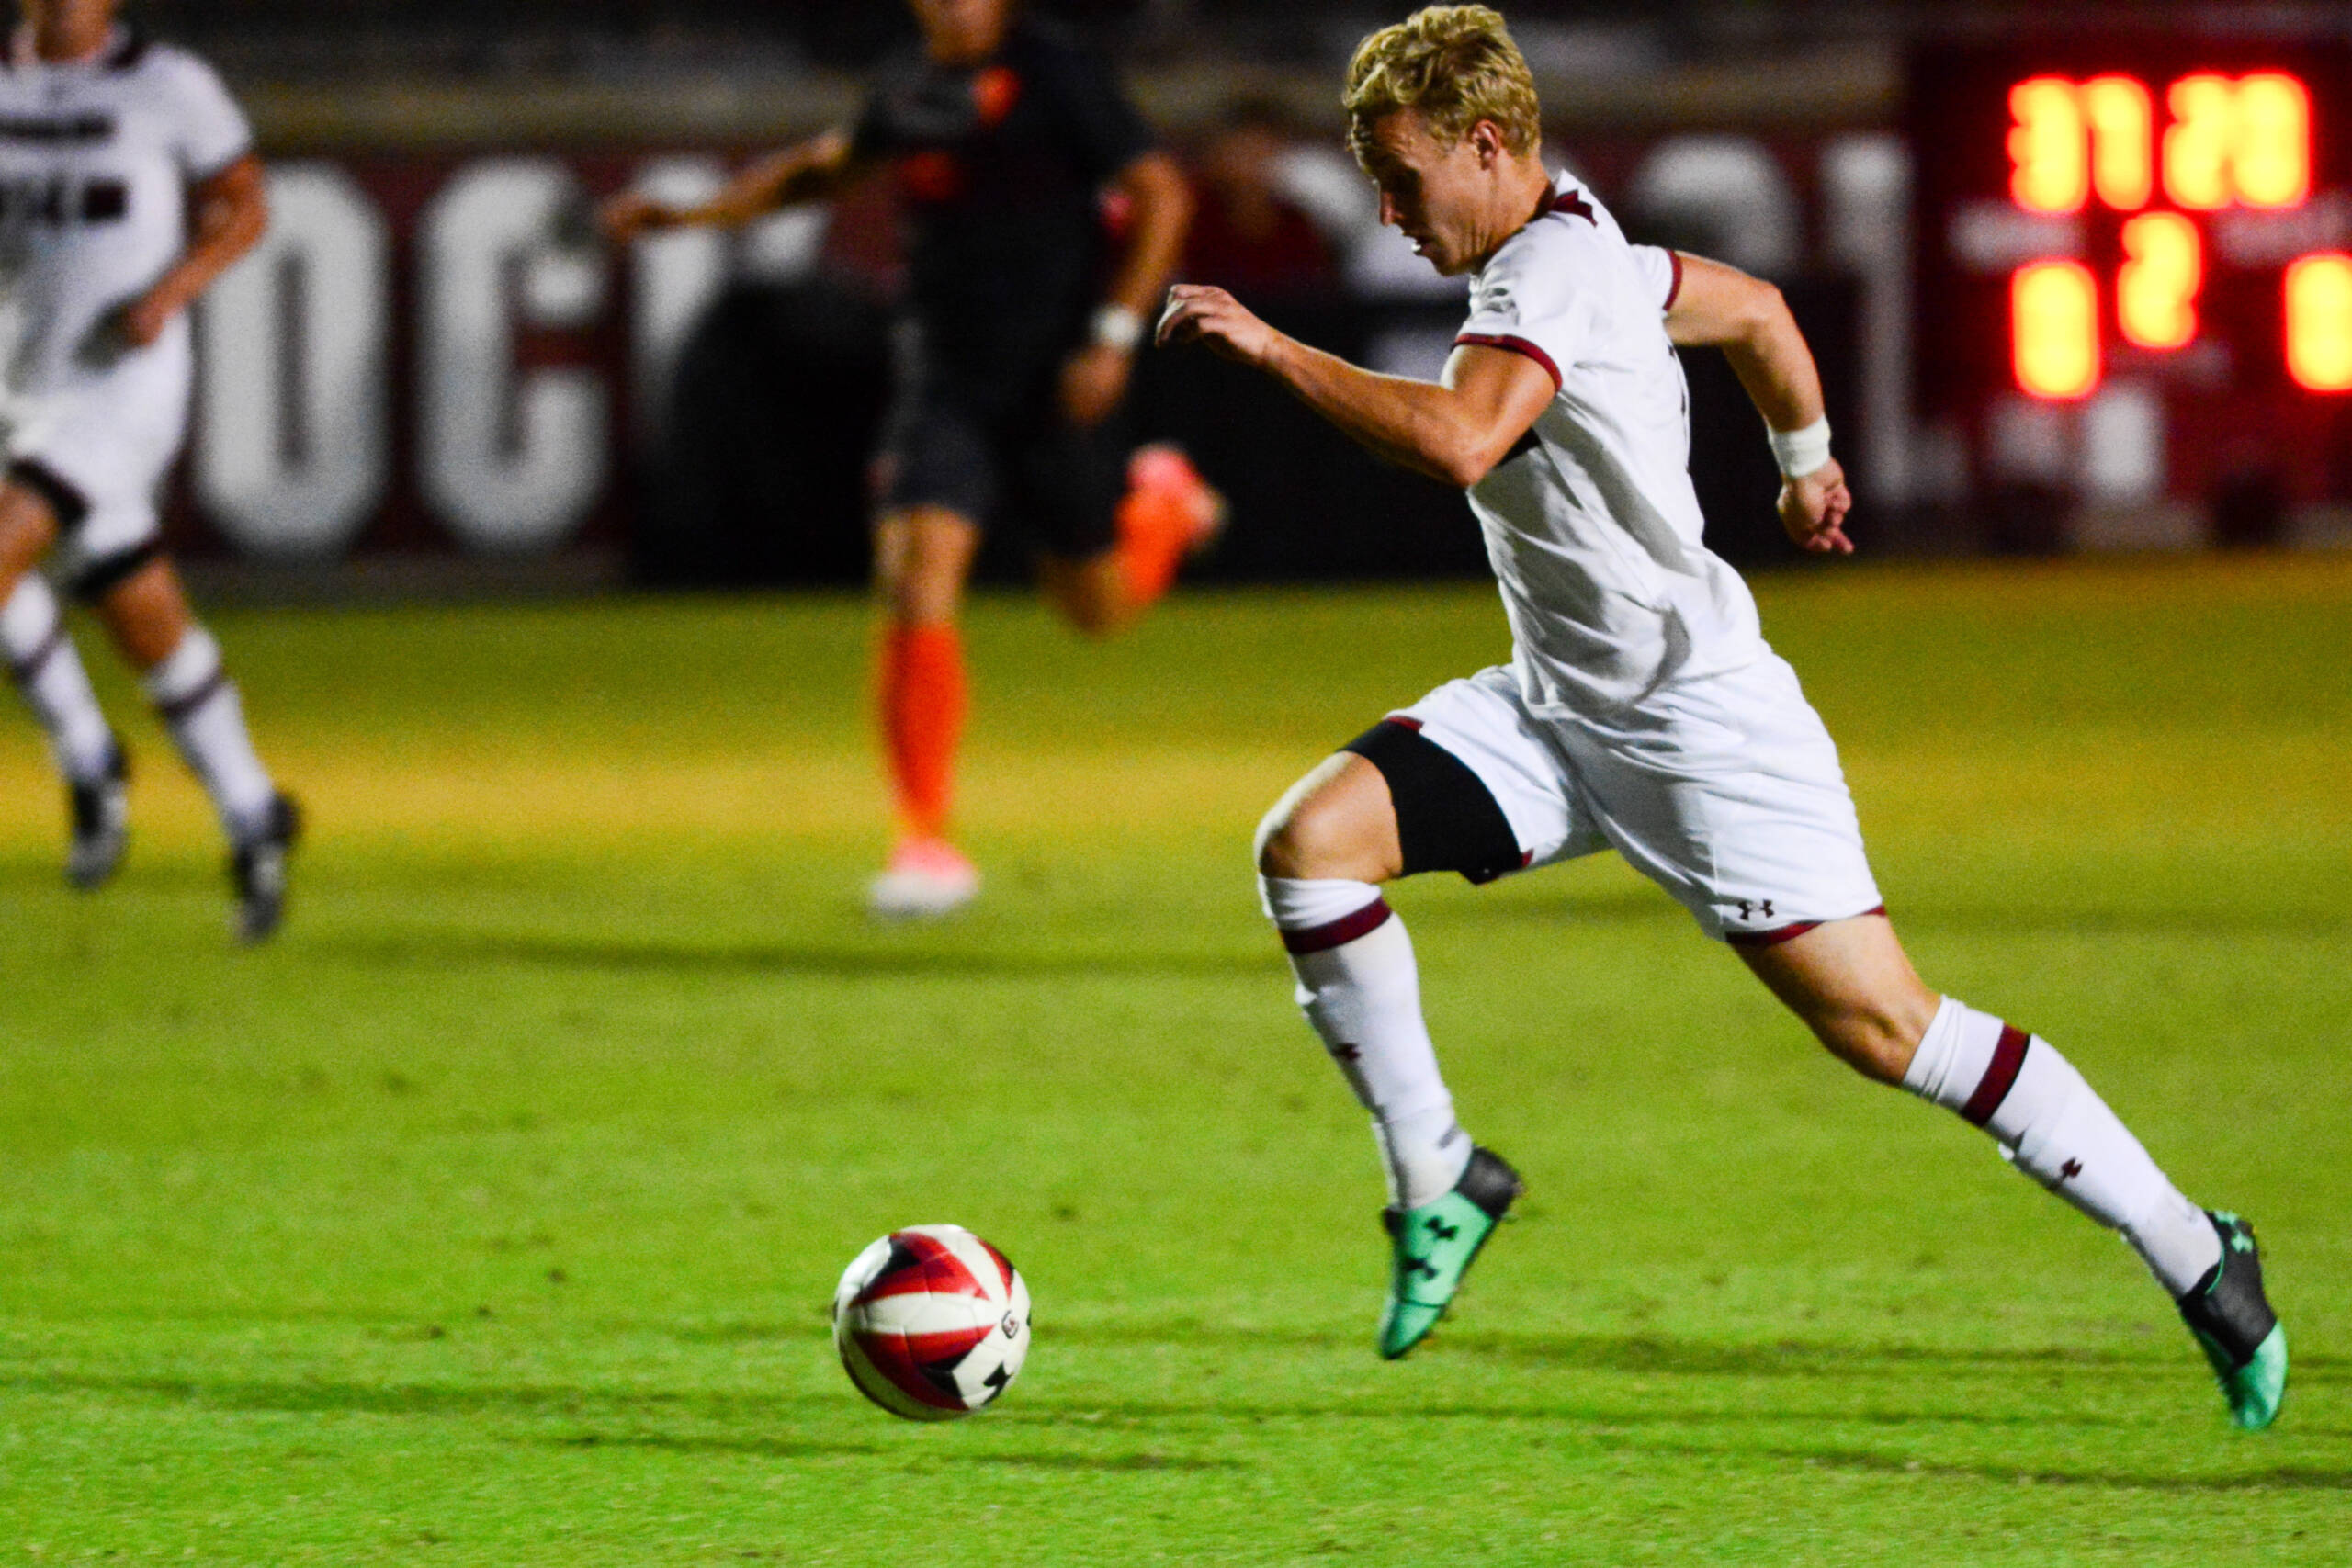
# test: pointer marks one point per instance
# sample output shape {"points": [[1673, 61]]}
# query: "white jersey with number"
{"points": [[1590, 523], [96, 159]]}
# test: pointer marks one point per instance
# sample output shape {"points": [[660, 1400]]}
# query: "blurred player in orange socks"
{"points": [[1017, 342]]}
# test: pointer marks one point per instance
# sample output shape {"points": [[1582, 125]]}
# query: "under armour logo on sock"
{"points": [[1442, 1231], [1422, 1267], [2071, 1168]]}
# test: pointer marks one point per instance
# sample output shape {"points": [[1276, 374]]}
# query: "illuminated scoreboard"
{"points": [[2152, 237]]}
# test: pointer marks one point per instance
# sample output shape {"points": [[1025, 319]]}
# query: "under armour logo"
{"points": [[1346, 1053], [1420, 1265], [2071, 1168], [2240, 1241], [1442, 1231], [1749, 908]]}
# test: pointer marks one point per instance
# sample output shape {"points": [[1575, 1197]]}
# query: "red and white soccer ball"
{"points": [[932, 1323]]}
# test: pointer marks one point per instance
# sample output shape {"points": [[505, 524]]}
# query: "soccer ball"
{"points": [[932, 1323]]}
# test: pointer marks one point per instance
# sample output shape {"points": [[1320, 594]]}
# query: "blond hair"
{"points": [[1455, 65]]}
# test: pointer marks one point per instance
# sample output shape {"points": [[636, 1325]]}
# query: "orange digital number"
{"points": [[2053, 328], [2049, 158], [2122, 124], [2319, 321], [2270, 151], [2197, 144], [2155, 289]]}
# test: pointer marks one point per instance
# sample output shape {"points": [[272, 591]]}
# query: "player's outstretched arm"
{"points": [[1161, 203], [229, 213], [1722, 307], [808, 171], [1453, 430]]}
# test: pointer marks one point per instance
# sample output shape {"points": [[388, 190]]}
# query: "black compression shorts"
{"points": [[956, 442]]}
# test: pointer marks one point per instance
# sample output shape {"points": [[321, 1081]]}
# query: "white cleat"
{"points": [[927, 879], [101, 813]]}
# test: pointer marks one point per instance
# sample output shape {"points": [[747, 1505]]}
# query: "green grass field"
{"points": [[491, 1215]]}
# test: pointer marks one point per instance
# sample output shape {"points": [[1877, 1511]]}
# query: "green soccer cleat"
{"points": [[1435, 1245], [2235, 1327]]}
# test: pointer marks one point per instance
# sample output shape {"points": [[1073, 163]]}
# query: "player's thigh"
{"points": [[29, 526], [1469, 783], [1068, 482]]}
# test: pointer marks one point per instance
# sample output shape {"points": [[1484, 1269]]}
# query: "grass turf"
{"points": [[491, 1214]]}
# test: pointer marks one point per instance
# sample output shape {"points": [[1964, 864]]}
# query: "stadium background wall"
{"points": [[432, 355]]}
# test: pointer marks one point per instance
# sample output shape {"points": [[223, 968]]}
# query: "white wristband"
{"points": [[1800, 452], [1117, 327]]}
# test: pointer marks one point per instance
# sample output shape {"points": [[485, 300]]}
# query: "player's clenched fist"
{"points": [[1814, 508], [1199, 313]]}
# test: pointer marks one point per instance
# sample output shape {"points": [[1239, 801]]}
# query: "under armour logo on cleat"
{"points": [[2241, 1241], [2072, 1167]]}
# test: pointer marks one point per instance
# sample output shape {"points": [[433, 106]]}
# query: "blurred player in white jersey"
{"points": [[1643, 711], [128, 183]]}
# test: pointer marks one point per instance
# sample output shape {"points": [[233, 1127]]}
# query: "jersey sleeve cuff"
{"points": [[1513, 345], [1674, 289]]}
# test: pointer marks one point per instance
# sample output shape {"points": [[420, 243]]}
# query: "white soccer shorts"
{"points": [[107, 442], [1725, 791]]}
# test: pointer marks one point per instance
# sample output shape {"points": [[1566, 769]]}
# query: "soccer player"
{"points": [[1019, 338], [128, 183], [1642, 710]]}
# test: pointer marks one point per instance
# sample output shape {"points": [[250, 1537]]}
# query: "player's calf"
{"points": [[2052, 1126], [48, 672]]}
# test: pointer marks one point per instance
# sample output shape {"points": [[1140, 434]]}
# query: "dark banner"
{"points": [[439, 355]]}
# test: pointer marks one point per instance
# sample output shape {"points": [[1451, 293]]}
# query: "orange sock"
{"points": [[1154, 533], [919, 683]]}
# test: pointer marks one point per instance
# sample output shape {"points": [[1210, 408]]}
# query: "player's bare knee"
{"points": [[1303, 836]]}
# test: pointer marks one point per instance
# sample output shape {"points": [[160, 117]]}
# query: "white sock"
{"points": [[48, 671], [2055, 1128], [1358, 987], [192, 690]]}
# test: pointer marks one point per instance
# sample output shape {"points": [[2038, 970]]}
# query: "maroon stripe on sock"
{"points": [[1779, 934], [1345, 930], [1999, 1078], [179, 709]]}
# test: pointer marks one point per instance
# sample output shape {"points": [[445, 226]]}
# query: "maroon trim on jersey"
{"points": [[2008, 1057], [1511, 345], [1339, 933], [1779, 934], [1674, 289], [1404, 721]]}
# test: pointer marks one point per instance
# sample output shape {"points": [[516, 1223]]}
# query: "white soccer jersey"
{"points": [[1590, 523], [95, 163]]}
